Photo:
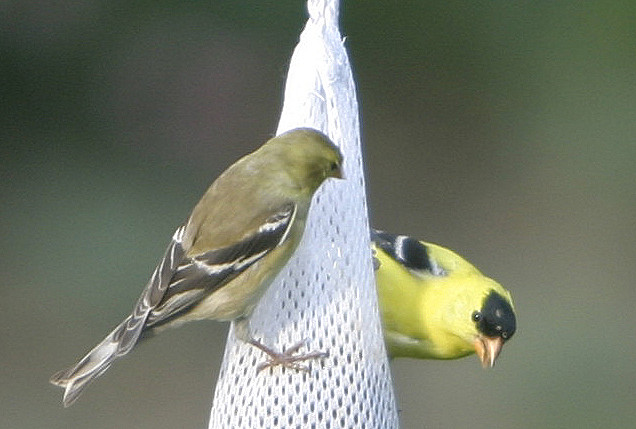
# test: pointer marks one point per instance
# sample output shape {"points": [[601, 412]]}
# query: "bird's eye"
{"points": [[504, 335], [476, 316], [334, 166]]}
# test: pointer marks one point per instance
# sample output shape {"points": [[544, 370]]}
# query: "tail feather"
{"points": [[124, 337], [76, 378]]}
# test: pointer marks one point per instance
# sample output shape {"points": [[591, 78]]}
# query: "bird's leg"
{"points": [[288, 358]]}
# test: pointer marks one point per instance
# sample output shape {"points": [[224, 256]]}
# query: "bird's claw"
{"points": [[286, 358]]}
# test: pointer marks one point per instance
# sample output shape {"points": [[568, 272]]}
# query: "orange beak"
{"points": [[488, 349]]}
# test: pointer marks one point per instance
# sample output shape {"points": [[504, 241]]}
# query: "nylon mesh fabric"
{"points": [[326, 293]]}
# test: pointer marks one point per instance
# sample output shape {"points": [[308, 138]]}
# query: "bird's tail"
{"points": [[124, 337], [76, 378]]}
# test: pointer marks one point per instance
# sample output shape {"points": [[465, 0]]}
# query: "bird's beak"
{"points": [[336, 174], [488, 349]]}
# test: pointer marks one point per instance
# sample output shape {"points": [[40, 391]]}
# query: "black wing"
{"points": [[405, 250]]}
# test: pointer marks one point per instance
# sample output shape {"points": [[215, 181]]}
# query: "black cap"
{"points": [[496, 318]]}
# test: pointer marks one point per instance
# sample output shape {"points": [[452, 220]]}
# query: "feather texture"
{"points": [[238, 237]]}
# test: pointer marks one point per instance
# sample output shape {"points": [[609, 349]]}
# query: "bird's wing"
{"points": [[407, 251], [152, 293], [198, 276]]}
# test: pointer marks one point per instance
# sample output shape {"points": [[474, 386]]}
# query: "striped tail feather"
{"points": [[124, 337], [75, 379]]}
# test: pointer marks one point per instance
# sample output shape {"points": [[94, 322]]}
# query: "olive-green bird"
{"points": [[436, 305], [220, 262]]}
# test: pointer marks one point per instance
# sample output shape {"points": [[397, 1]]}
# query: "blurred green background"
{"points": [[505, 130]]}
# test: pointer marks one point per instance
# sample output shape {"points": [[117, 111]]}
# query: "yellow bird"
{"points": [[220, 262], [436, 305]]}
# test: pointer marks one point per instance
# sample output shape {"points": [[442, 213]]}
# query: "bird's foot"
{"points": [[287, 358]]}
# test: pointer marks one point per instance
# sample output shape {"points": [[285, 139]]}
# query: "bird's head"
{"points": [[477, 311], [309, 157]]}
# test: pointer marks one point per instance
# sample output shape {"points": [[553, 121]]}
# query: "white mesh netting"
{"points": [[326, 294]]}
